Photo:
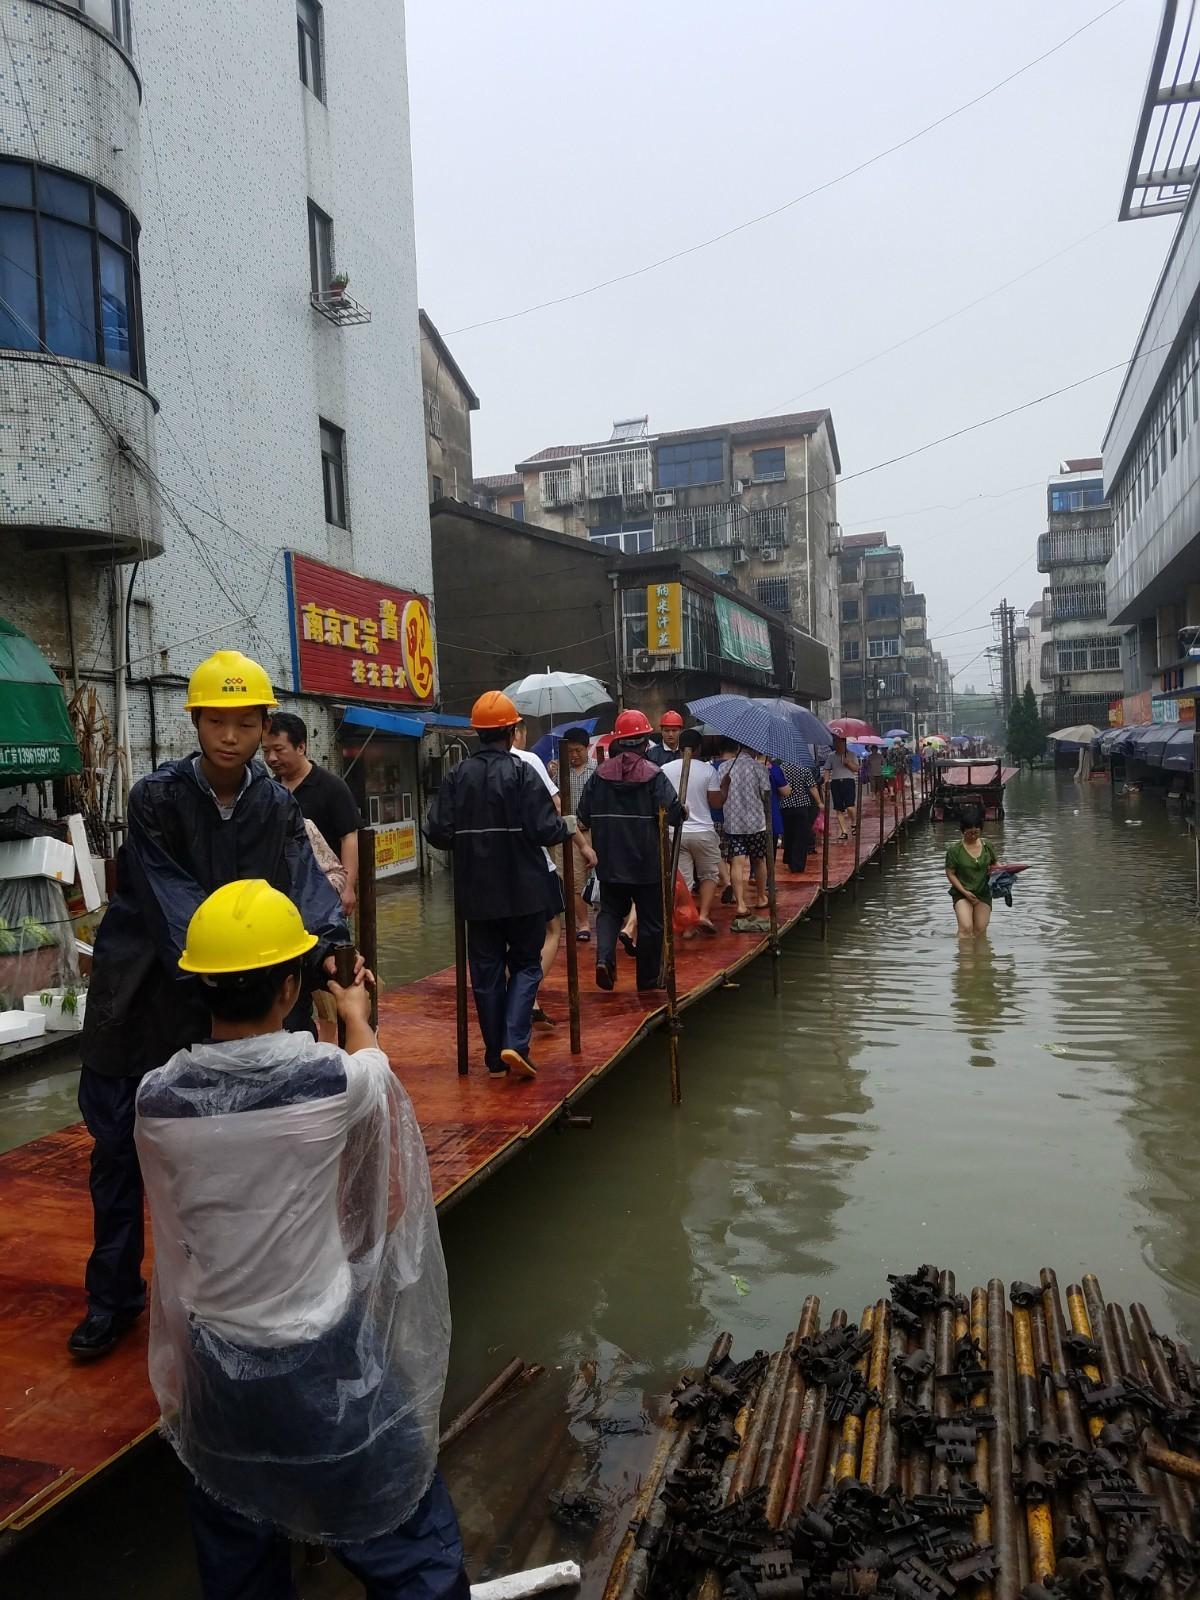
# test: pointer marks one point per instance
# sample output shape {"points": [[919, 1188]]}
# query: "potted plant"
{"points": [[63, 1008], [337, 284]]}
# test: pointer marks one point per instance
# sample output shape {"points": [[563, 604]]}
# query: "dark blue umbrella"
{"points": [[897, 733], [751, 723], [809, 726], [547, 745]]}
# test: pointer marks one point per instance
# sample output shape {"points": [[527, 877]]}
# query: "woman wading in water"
{"points": [[967, 866]]}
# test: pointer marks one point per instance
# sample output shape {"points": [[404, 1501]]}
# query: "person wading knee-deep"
{"points": [[497, 816], [301, 1323], [618, 811], [193, 825]]}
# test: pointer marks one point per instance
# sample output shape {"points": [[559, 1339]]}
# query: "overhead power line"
{"points": [[788, 205]]}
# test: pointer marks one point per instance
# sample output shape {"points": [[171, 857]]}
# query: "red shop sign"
{"points": [[358, 639]]}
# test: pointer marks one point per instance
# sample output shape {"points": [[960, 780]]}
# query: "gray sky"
{"points": [[556, 145]]}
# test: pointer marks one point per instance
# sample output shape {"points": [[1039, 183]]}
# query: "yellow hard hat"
{"points": [[243, 926], [229, 678]]}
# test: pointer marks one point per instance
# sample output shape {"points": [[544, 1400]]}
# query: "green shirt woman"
{"points": [[968, 864]]}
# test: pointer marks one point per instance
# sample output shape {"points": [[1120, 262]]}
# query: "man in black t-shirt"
{"points": [[325, 799]]}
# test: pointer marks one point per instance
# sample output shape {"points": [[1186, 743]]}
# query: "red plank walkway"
{"points": [[62, 1422]]}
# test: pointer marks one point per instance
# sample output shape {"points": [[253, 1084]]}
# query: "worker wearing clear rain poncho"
{"points": [[300, 1324]]}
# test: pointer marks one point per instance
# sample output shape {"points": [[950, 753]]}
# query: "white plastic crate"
{"points": [[18, 1025], [37, 858]]}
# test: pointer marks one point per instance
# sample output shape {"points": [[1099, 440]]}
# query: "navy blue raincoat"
{"points": [[178, 849]]}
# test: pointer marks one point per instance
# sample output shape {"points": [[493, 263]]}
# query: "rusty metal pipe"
{"points": [[1039, 1521], [818, 1448], [845, 1463], [747, 1456], [780, 1469], [876, 1381], [1010, 1366], [943, 1359], [1170, 1461], [887, 1473], [918, 1462], [766, 1454], [980, 1472], [1004, 1530], [1173, 1494]]}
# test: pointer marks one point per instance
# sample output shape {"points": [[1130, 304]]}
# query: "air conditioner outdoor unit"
{"points": [[739, 555], [769, 552], [664, 499], [644, 661]]}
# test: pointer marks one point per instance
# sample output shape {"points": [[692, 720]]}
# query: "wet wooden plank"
{"points": [[62, 1421]]}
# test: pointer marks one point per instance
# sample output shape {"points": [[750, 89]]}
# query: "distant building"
{"points": [[755, 502], [887, 663], [503, 493], [1152, 446], [449, 401], [1081, 654], [943, 696], [1029, 639]]}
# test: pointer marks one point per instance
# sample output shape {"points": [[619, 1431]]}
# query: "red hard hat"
{"points": [[631, 725], [670, 719]]}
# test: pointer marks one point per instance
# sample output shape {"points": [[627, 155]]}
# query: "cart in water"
{"points": [[960, 784]]}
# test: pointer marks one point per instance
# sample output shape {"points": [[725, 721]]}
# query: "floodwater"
{"points": [[993, 1106]]}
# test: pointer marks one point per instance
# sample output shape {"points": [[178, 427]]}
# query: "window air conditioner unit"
{"points": [[769, 552], [644, 661], [739, 555], [664, 499]]}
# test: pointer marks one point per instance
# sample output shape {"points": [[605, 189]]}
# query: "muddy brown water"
{"points": [[1030, 1099]]}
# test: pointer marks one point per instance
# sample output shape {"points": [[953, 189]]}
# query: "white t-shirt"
{"points": [[286, 1280], [539, 766], [702, 777]]}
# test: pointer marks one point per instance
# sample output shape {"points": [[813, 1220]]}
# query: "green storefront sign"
{"points": [[744, 637]]}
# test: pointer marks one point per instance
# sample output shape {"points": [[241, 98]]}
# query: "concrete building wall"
{"points": [[447, 426]]}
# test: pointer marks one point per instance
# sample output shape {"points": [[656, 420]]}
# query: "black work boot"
{"points": [[100, 1332]]}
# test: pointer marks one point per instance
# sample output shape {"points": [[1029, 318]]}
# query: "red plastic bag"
{"points": [[819, 824], [685, 914]]}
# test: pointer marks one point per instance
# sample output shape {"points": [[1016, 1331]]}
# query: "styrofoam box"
{"points": [[37, 858], [18, 1025]]}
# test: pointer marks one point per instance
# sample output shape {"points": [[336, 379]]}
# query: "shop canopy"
{"points": [[408, 724], [36, 740]]}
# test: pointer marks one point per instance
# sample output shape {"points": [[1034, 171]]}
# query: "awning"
{"points": [[409, 725], [36, 740]]}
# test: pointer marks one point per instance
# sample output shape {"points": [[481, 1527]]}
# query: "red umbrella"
{"points": [[852, 727]]}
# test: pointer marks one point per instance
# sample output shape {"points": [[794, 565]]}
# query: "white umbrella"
{"points": [[1081, 733], [552, 694]]}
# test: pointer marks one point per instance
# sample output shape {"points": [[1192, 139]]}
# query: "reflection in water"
{"points": [[826, 1137]]}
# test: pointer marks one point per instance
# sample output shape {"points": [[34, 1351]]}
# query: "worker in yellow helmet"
{"points": [[214, 816], [301, 1324]]}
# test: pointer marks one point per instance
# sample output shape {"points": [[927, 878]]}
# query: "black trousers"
{"points": [[797, 836], [422, 1559], [505, 958], [113, 1278], [615, 901]]}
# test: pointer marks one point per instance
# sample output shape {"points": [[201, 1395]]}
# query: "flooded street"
{"points": [[1022, 1101]]}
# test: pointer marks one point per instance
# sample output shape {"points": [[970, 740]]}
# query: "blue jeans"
{"points": [[505, 957], [422, 1559]]}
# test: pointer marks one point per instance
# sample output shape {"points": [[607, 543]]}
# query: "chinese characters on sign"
{"points": [[664, 618], [395, 849], [358, 638]]}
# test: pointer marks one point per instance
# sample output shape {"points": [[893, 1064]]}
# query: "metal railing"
{"points": [[1074, 600], [1063, 547], [624, 473], [710, 527]]}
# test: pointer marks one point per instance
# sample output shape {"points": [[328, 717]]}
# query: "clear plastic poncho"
{"points": [[300, 1324]]}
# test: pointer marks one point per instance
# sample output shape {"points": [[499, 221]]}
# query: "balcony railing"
{"points": [[1066, 547], [701, 527], [618, 473], [1097, 653], [1074, 600], [561, 486]]}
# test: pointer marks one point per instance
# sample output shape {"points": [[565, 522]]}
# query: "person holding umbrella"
{"points": [[618, 816]]}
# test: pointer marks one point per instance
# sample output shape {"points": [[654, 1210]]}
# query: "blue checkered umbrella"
{"points": [[751, 723], [810, 727]]}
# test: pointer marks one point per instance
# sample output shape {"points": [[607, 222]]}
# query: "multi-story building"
{"points": [[1152, 447], [207, 437], [1029, 638], [1081, 654], [755, 502], [887, 662], [449, 401], [942, 720], [503, 493]]}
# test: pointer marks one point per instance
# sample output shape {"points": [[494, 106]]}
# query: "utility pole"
{"points": [[1004, 617]]}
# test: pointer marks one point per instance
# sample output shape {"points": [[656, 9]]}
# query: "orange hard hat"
{"points": [[494, 710], [670, 719], [631, 725]]}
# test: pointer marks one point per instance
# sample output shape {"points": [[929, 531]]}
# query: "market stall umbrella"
{"points": [[1078, 733], [549, 694], [750, 723], [36, 740], [851, 727], [812, 730]]}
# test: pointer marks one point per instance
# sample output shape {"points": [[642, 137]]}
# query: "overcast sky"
{"points": [[557, 145]]}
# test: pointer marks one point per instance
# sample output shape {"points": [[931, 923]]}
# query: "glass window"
{"points": [[320, 248], [69, 290], [849, 610], [517, 511], [768, 465], [18, 282], [333, 469], [851, 649], [882, 605], [308, 35], [438, 488], [848, 569], [682, 465], [883, 647], [64, 197], [57, 269]]}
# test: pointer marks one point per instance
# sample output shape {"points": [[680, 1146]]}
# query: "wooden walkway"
{"points": [[61, 1422]]}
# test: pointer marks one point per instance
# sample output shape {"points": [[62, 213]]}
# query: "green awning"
{"points": [[35, 731]]}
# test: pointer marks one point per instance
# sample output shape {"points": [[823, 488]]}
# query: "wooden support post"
{"points": [[896, 813], [773, 914], [676, 845], [668, 908], [858, 817], [882, 824], [825, 864], [1196, 806], [460, 985], [568, 879], [368, 915]]}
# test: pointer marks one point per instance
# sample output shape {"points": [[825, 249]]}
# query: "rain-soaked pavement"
{"points": [[1030, 1099]]}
